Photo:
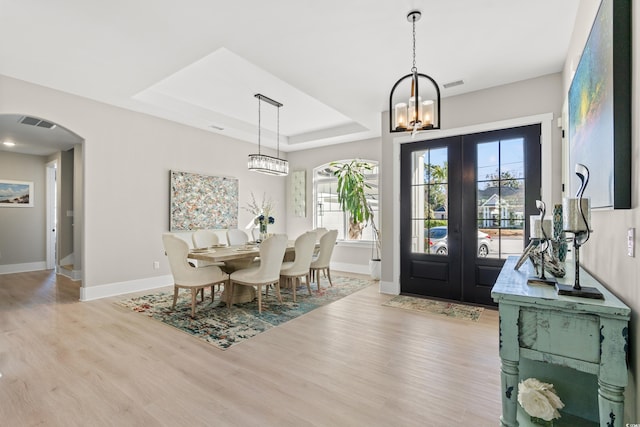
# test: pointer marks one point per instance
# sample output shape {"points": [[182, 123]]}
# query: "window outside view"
{"points": [[327, 209]]}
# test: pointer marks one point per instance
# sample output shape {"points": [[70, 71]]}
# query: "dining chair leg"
{"points": [[260, 298], [277, 285], [213, 292], [316, 275], [175, 297], [308, 277], [194, 294], [329, 276], [293, 287]]}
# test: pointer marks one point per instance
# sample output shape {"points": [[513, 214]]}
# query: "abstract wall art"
{"points": [[202, 201], [600, 108]]}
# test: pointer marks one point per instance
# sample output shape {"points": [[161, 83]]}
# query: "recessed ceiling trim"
{"points": [[321, 134]]}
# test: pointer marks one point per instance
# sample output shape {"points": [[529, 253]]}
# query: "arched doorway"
{"points": [[49, 233]]}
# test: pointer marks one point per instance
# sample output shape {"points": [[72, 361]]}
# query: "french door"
{"points": [[464, 201]]}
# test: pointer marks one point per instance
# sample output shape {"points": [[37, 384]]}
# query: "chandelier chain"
{"points": [[413, 21]]}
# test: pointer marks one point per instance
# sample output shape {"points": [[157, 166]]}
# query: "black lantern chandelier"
{"points": [[267, 164], [415, 105]]}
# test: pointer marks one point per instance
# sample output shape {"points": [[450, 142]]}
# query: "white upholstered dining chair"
{"points": [[204, 238], [321, 262], [236, 236], [187, 276], [320, 231], [292, 272], [272, 252]]}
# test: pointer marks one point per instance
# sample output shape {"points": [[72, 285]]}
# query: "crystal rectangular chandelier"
{"points": [[260, 162]]}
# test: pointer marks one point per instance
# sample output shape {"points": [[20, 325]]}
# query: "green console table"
{"points": [[586, 335]]}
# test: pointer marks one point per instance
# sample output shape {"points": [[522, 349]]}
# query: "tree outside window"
{"points": [[327, 211]]}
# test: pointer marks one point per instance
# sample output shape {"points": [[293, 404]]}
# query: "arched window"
{"points": [[327, 212]]}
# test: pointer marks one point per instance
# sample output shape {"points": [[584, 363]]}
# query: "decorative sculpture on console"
{"points": [[576, 217], [539, 250]]}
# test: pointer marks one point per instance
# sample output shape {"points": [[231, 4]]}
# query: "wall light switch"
{"points": [[631, 240], [156, 265]]}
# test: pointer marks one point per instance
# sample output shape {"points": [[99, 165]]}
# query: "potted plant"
{"points": [[352, 198]]}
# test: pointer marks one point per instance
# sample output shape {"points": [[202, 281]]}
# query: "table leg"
{"points": [[241, 294], [610, 404], [509, 381]]}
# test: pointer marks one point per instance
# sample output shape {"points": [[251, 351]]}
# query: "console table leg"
{"points": [[509, 379], [610, 404]]}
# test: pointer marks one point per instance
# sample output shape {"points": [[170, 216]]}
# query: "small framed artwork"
{"points": [[298, 193], [16, 194]]}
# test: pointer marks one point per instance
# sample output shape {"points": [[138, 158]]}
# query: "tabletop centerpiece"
{"points": [[262, 214]]}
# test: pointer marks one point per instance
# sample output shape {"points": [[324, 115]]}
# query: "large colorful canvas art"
{"points": [[599, 109], [202, 202]]}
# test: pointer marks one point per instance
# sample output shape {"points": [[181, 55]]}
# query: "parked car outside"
{"points": [[436, 239]]}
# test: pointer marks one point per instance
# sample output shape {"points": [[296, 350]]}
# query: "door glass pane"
{"points": [[430, 201], [500, 198]]}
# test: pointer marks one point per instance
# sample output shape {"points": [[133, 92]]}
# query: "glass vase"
{"points": [[263, 231]]}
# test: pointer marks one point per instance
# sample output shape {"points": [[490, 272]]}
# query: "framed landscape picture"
{"points": [[600, 109], [16, 194]]}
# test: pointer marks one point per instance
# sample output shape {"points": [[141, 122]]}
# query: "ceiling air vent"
{"points": [[453, 84], [32, 121]]}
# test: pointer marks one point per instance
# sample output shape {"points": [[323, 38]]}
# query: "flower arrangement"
{"points": [[262, 221], [539, 400], [261, 212]]}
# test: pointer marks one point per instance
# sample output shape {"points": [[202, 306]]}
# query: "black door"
{"points": [[464, 201]]}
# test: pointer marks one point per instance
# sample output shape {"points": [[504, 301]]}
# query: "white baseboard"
{"points": [[112, 289], [350, 268], [384, 287], [68, 260], [390, 288], [74, 275], [22, 268]]}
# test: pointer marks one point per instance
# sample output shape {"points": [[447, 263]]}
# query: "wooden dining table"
{"points": [[236, 258]]}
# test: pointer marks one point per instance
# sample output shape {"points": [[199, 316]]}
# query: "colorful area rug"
{"points": [[459, 311], [224, 328]]}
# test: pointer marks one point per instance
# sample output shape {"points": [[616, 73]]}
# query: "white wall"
{"points": [[22, 230], [127, 158], [605, 254]]}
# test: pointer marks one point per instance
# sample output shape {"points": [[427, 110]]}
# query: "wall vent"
{"points": [[32, 121], [453, 84]]}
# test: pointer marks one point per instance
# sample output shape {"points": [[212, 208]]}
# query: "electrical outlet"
{"points": [[156, 265], [631, 238]]}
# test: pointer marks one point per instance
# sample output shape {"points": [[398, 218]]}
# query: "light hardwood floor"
{"points": [[350, 363]]}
